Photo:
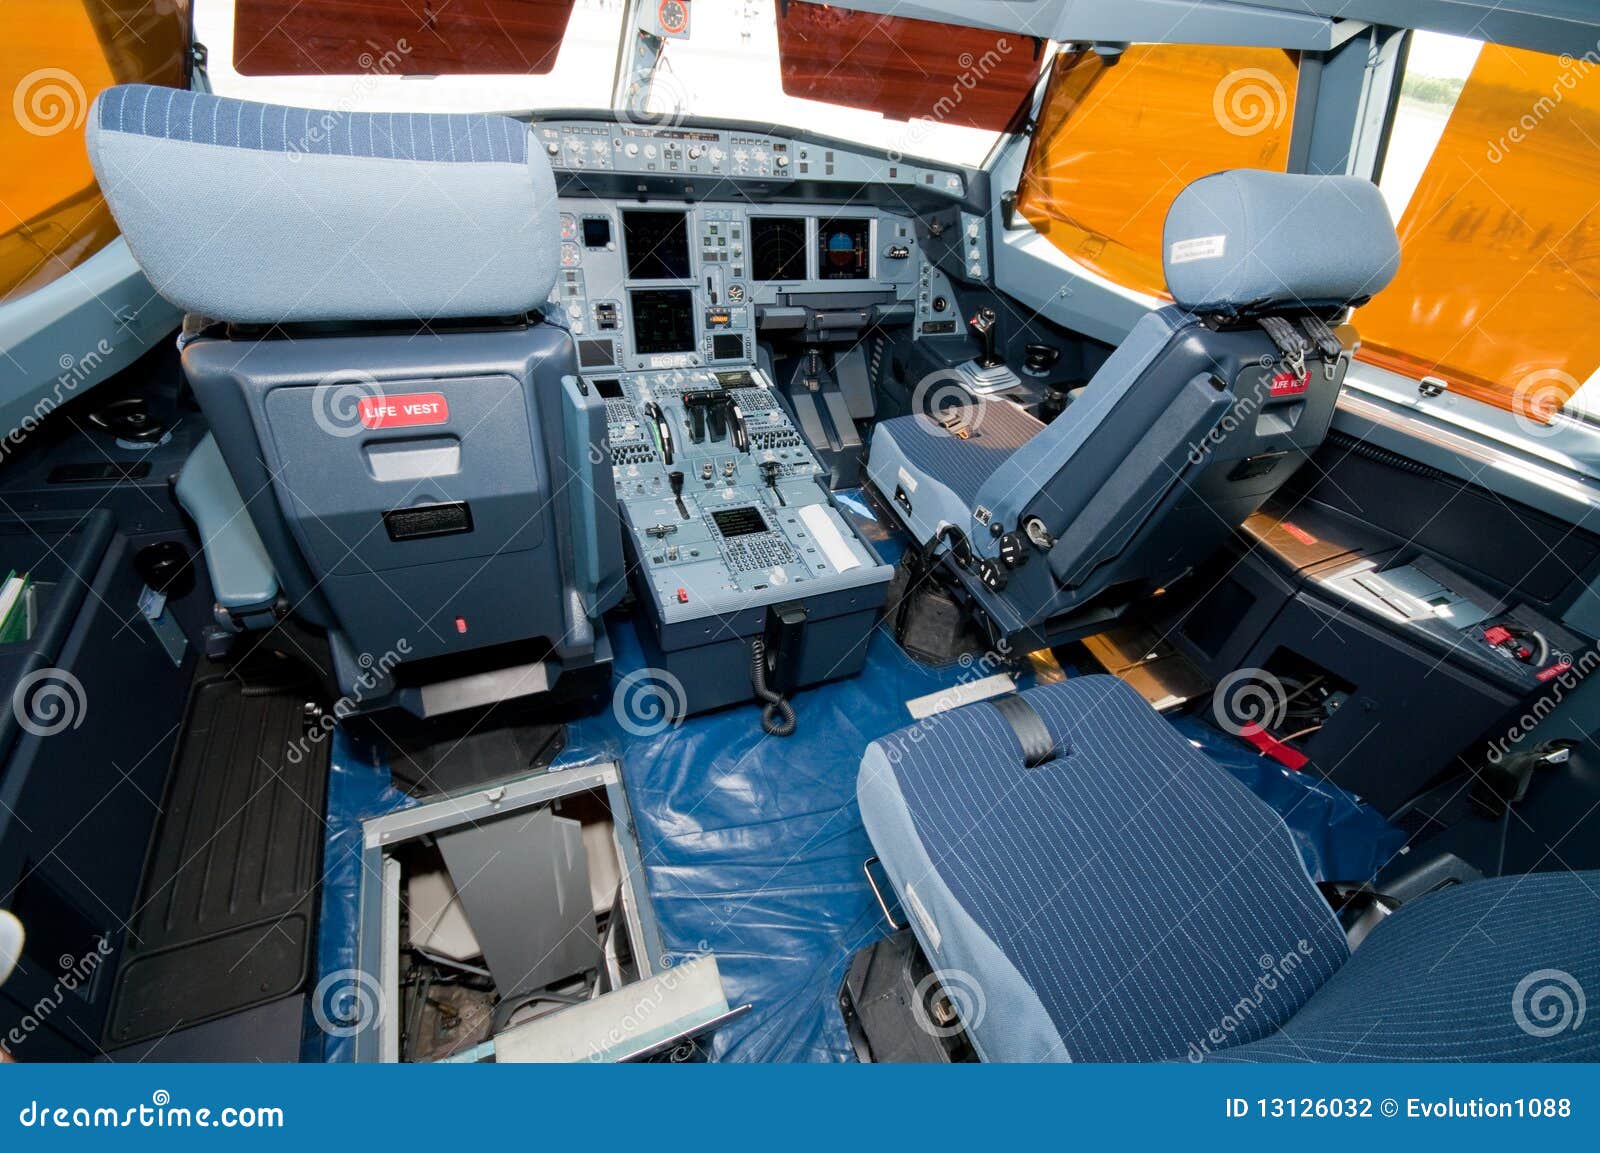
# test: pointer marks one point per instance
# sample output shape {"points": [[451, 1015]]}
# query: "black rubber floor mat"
{"points": [[227, 910]]}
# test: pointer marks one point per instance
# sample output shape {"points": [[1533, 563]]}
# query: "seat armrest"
{"points": [[242, 576]]}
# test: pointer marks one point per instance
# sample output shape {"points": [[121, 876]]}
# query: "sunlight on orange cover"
{"points": [[1499, 283], [1117, 142], [54, 59]]}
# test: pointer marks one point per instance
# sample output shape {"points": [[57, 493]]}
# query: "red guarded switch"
{"points": [[461, 624], [1496, 634], [683, 596]]}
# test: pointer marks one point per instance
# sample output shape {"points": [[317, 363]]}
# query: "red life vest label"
{"points": [[405, 410], [1288, 384]]}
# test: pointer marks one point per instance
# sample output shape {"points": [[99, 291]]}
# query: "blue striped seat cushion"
{"points": [[200, 118], [262, 214], [1130, 891], [1497, 970]]}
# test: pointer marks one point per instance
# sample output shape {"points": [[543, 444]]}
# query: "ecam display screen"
{"points": [[663, 320]]}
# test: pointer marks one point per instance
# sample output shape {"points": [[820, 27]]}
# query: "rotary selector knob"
{"points": [[992, 575]]}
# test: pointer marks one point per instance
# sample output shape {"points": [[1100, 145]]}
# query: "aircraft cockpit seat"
{"points": [[1090, 887], [1196, 419], [366, 338]]}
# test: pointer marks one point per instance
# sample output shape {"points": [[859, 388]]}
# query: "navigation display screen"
{"points": [[657, 245], [778, 248], [663, 320]]}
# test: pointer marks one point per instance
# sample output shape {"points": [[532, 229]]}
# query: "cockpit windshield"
{"points": [[912, 87]]}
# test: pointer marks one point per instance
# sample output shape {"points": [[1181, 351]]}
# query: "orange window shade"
{"points": [[1499, 283], [1118, 141], [55, 58]]}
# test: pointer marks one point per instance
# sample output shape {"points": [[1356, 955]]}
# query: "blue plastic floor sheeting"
{"points": [[1339, 838], [753, 845]]}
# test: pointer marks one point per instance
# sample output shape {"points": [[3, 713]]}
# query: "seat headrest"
{"points": [[1246, 240], [256, 213]]}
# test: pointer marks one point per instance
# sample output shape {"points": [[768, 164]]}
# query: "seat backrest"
{"points": [[411, 445], [1206, 408]]}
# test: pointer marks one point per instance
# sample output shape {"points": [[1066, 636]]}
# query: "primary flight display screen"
{"points": [[663, 320], [844, 249], [657, 245]]}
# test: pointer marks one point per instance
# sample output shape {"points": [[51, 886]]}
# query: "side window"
{"points": [[1490, 173], [1117, 141], [54, 59]]}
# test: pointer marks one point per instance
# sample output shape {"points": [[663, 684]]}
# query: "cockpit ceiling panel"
{"points": [[1554, 26]]}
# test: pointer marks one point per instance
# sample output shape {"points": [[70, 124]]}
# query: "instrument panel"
{"points": [[653, 284]]}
